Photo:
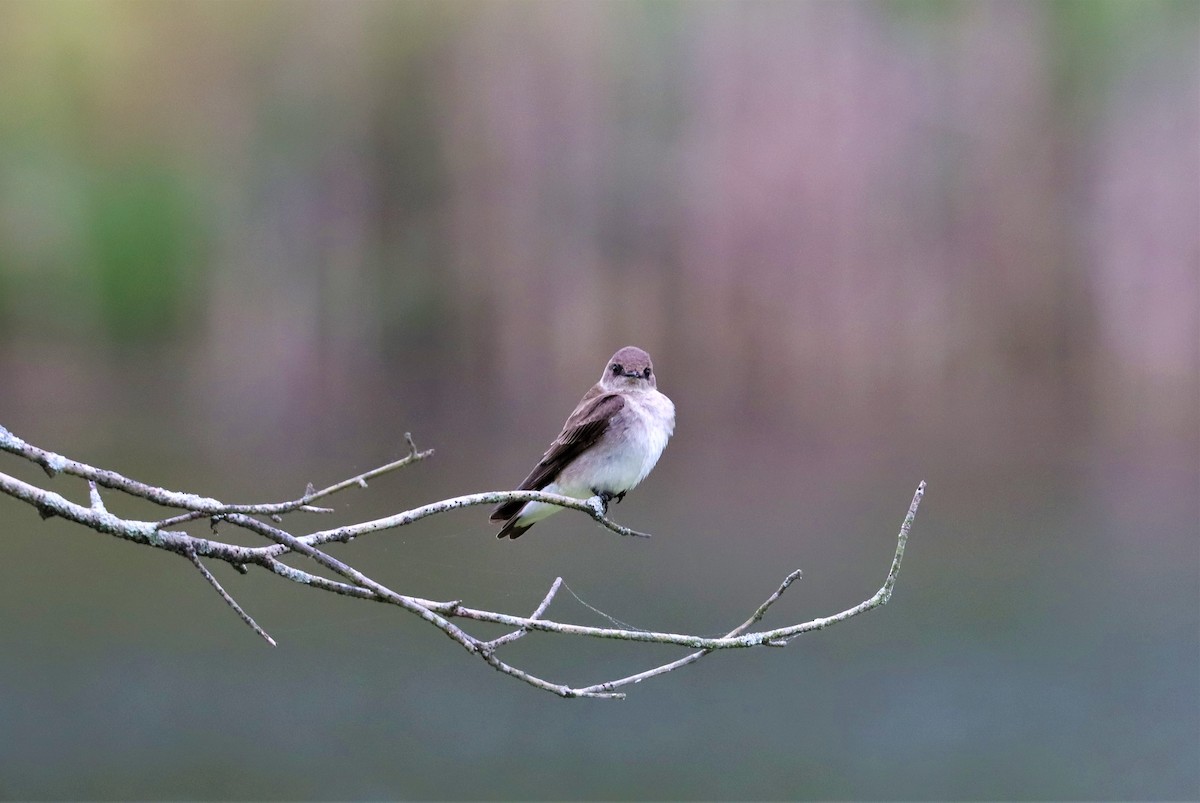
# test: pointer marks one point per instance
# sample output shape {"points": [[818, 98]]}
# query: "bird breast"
{"points": [[629, 449]]}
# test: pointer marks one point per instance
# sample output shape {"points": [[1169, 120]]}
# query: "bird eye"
{"points": [[616, 368], [646, 373]]}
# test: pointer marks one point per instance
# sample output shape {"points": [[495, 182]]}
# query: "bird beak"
{"points": [[633, 374]]}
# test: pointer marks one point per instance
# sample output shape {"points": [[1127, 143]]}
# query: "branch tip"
{"points": [[190, 551]]}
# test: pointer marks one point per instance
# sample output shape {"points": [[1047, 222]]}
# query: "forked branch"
{"points": [[160, 533]]}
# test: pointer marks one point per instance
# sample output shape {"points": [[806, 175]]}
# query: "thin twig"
{"points": [[413, 455], [521, 631], [230, 601]]}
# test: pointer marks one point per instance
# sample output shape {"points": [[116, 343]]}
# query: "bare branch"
{"points": [[593, 507], [467, 641], [199, 506], [353, 583]]}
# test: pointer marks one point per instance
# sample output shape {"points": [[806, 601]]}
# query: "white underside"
{"points": [[620, 460]]}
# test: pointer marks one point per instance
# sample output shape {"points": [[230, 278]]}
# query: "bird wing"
{"points": [[585, 426]]}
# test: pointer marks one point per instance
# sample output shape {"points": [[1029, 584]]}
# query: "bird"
{"points": [[607, 446]]}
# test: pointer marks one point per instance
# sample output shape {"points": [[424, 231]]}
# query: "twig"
{"points": [[508, 638], [361, 480], [230, 601]]}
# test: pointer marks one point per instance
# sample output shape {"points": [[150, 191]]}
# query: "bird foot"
{"points": [[606, 497]]}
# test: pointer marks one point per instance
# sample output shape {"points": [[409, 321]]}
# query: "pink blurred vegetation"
{"points": [[940, 214]]}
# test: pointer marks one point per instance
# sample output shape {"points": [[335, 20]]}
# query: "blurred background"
{"points": [[245, 246]]}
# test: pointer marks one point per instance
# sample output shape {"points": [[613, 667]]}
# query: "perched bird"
{"points": [[608, 445]]}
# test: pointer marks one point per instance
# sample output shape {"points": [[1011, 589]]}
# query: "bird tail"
{"points": [[507, 511], [513, 530]]}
